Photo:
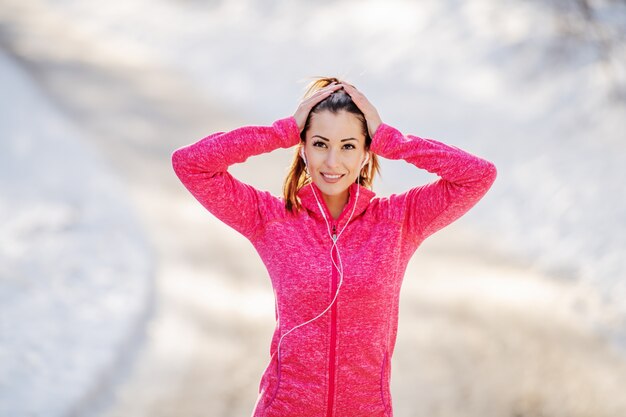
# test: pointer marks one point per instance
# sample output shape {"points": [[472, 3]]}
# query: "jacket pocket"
{"points": [[385, 381], [272, 382]]}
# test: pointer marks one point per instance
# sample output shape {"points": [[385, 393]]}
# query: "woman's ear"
{"points": [[366, 159]]}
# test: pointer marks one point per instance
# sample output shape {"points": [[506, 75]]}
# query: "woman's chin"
{"points": [[333, 189]]}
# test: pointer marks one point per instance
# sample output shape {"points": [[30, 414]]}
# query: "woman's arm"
{"points": [[464, 180], [202, 168]]}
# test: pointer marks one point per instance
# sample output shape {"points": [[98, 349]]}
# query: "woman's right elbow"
{"points": [[179, 161]]}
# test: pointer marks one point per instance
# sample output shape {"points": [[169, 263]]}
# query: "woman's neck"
{"points": [[336, 203]]}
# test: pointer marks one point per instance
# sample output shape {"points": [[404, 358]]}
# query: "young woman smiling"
{"points": [[335, 253]]}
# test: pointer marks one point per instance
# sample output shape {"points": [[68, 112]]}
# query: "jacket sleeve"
{"points": [[464, 180], [202, 168]]}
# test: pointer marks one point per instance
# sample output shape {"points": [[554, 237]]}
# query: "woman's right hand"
{"points": [[302, 113]]}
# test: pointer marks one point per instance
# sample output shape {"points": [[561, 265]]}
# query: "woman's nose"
{"points": [[332, 159]]}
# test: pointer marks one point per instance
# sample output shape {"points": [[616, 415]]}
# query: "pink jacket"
{"points": [[339, 364]]}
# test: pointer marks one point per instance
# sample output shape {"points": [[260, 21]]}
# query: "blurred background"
{"points": [[121, 296]]}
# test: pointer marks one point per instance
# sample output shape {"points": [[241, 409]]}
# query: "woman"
{"points": [[335, 253]]}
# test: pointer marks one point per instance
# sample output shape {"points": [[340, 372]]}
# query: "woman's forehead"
{"points": [[336, 126]]}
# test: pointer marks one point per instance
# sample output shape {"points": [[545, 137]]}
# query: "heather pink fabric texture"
{"points": [[338, 365]]}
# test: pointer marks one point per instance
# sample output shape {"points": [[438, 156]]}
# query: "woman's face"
{"points": [[335, 150]]}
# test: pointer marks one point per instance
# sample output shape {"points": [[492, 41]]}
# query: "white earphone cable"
{"points": [[338, 265]]}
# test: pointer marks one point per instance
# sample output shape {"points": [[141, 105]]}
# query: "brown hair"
{"points": [[338, 101]]}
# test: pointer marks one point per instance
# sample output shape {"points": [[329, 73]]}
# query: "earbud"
{"points": [[303, 155]]}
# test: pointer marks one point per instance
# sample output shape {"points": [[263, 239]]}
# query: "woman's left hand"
{"points": [[369, 111]]}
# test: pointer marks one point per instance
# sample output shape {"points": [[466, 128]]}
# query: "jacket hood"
{"points": [[310, 203]]}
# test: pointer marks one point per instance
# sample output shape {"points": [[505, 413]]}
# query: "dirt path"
{"points": [[479, 336]]}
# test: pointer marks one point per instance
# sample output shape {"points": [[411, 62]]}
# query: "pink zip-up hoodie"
{"points": [[338, 364]]}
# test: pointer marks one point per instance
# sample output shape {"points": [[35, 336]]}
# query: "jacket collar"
{"points": [[308, 201]]}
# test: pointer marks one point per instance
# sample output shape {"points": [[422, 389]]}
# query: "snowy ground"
{"points": [[494, 77], [75, 270], [491, 77]]}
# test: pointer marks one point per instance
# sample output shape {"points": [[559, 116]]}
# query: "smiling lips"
{"points": [[331, 178]]}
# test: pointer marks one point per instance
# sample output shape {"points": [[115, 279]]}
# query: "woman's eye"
{"points": [[319, 143], [349, 146]]}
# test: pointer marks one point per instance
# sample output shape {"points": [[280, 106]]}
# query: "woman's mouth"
{"points": [[331, 178]]}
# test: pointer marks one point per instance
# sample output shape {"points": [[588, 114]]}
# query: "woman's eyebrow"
{"points": [[328, 140]]}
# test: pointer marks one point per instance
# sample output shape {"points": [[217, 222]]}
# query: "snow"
{"points": [[495, 78], [74, 269]]}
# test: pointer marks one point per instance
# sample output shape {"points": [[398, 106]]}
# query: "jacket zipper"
{"points": [[333, 333]]}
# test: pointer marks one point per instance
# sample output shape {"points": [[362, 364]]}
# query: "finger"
{"points": [[321, 94], [330, 88], [352, 91], [360, 100], [316, 98]]}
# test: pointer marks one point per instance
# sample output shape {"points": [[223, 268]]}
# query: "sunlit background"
{"points": [[120, 296]]}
